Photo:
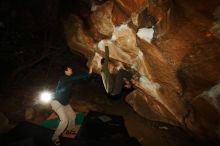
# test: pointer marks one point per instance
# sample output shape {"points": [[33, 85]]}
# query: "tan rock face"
{"points": [[118, 15], [77, 37], [132, 6], [177, 58], [101, 19]]}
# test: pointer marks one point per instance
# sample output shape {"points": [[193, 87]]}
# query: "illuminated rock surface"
{"points": [[179, 66]]}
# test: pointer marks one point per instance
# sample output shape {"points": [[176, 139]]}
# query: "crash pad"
{"points": [[52, 121]]}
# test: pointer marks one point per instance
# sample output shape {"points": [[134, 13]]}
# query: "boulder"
{"points": [[173, 47], [101, 19]]}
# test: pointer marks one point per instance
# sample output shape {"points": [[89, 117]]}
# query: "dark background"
{"points": [[32, 43]]}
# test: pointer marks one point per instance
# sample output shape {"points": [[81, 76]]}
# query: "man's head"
{"points": [[67, 70]]}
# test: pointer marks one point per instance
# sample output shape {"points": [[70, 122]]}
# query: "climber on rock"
{"points": [[114, 77]]}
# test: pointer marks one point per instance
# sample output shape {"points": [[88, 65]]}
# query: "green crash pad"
{"points": [[53, 123]]}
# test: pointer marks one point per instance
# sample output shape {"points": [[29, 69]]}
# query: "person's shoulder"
{"points": [[63, 77]]}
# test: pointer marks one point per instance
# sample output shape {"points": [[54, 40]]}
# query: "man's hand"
{"points": [[105, 41], [135, 83], [126, 83]]}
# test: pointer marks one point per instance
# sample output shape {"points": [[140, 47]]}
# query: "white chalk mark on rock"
{"points": [[146, 34]]}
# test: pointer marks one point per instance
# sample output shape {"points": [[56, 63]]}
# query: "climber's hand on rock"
{"points": [[127, 86], [126, 83], [105, 42], [134, 82]]}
